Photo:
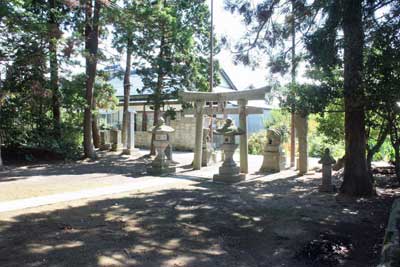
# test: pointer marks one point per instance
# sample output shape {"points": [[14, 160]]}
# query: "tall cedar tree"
{"points": [[126, 23], [92, 15], [173, 50]]}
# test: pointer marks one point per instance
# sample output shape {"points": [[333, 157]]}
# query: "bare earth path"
{"points": [[269, 220]]}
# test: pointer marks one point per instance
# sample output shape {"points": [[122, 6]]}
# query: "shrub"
{"points": [[256, 143]]}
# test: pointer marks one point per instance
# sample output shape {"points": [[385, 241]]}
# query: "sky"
{"points": [[231, 26]]}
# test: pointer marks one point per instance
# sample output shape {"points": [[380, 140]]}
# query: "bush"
{"points": [[318, 141], [256, 143]]}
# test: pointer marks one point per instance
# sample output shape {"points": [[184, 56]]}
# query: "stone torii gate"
{"points": [[242, 97]]}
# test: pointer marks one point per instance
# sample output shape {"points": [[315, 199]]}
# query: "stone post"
{"points": [[130, 145], [327, 161], [301, 130], [105, 140], [244, 149], [116, 140], [198, 147]]}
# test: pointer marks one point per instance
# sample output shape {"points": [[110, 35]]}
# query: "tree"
{"points": [[279, 40], [356, 180], [325, 45], [126, 26], [92, 16], [173, 50], [382, 79]]}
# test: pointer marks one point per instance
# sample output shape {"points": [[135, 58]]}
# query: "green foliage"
{"points": [[331, 124], [257, 142], [319, 136], [179, 31], [307, 98], [279, 120]]}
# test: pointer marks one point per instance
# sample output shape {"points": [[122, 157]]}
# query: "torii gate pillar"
{"points": [[198, 146], [244, 148]]}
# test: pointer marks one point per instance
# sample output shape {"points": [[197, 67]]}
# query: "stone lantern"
{"points": [[229, 172], [161, 165], [327, 161]]}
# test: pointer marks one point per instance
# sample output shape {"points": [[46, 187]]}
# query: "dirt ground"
{"points": [[269, 220]]}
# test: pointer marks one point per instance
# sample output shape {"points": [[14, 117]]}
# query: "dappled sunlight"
{"points": [[42, 248], [202, 224]]}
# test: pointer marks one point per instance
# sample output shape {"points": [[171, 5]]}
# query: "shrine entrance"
{"points": [[242, 97]]}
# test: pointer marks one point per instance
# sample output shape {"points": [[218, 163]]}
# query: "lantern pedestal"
{"points": [[229, 172], [160, 165]]}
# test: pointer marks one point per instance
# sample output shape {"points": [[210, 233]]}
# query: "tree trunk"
{"points": [[293, 74], [95, 126], [397, 159], [127, 87], [383, 132], [91, 47], [158, 91], [1, 159], [53, 29], [356, 181], [156, 117]]}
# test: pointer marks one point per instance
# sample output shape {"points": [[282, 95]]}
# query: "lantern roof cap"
{"points": [[229, 128]]}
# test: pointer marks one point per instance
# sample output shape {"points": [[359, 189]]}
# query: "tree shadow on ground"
{"points": [[110, 164], [256, 223]]}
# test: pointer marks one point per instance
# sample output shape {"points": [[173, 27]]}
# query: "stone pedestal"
{"points": [[327, 161], [229, 172], [271, 162], [274, 156], [160, 165], [116, 140], [105, 143]]}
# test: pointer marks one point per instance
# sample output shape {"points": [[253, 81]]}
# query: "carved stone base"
{"points": [[160, 170], [229, 178], [272, 162]]}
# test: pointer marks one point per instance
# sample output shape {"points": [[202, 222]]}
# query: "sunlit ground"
{"points": [[269, 220]]}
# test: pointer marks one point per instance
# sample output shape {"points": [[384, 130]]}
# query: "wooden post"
{"points": [[244, 163], [292, 141], [301, 129], [199, 105]]}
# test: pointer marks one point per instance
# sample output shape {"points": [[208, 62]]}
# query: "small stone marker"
{"points": [[207, 148], [327, 161], [105, 143], [229, 172], [130, 145], [116, 140], [161, 165]]}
